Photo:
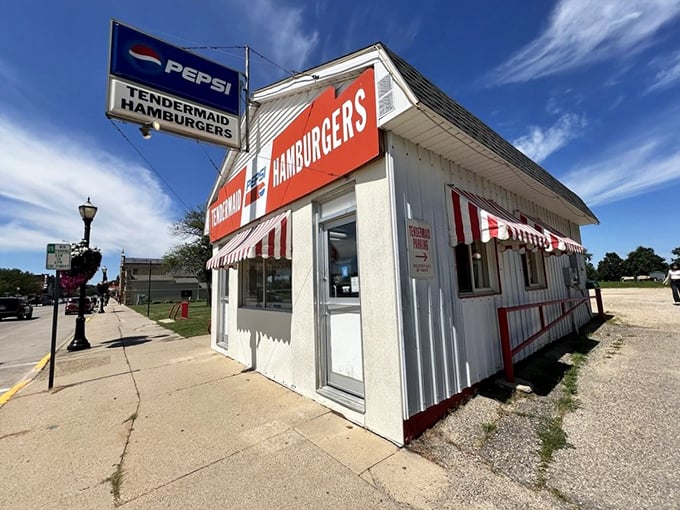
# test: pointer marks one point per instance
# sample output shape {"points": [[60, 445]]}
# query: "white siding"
{"points": [[450, 343], [433, 359]]}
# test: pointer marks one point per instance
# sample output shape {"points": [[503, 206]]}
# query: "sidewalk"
{"points": [[148, 419]]}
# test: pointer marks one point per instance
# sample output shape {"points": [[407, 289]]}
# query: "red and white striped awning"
{"points": [[220, 258], [559, 243], [271, 238], [474, 218]]}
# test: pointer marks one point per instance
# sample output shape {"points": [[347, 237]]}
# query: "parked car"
{"points": [[652, 277], [15, 307], [657, 276], [72, 305]]}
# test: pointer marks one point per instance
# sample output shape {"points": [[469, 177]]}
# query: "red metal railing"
{"points": [[509, 352]]}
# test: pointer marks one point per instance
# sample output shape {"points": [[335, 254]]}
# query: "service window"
{"points": [[534, 270], [476, 267], [266, 283]]}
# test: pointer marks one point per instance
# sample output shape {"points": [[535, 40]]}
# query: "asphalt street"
{"points": [[23, 343]]}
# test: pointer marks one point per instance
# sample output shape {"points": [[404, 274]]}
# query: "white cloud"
{"points": [[46, 176], [634, 167], [581, 32], [282, 29], [553, 106], [668, 75], [540, 143]]}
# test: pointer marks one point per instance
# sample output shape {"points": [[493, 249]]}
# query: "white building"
{"points": [[366, 240]]}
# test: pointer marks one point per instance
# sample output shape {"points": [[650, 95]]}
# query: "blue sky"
{"points": [[590, 90]]}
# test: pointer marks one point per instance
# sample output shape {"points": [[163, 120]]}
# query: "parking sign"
{"points": [[58, 257]]}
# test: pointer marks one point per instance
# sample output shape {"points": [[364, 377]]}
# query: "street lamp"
{"points": [[79, 342]]}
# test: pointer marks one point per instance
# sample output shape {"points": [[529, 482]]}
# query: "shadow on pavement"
{"points": [[61, 387], [126, 341]]}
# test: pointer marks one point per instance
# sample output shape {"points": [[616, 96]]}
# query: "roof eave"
{"points": [[429, 95]]}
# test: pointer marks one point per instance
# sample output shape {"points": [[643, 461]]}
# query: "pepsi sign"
{"points": [[256, 187], [145, 60]]}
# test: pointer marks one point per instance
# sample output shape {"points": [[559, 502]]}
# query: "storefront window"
{"points": [[534, 270], [266, 283], [476, 267]]}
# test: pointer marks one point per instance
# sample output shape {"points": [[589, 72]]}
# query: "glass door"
{"points": [[341, 306], [223, 308]]}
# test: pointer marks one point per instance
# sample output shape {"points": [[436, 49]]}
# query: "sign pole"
{"points": [[59, 259], [53, 344]]}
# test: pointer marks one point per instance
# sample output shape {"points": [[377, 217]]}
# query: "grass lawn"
{"points": [[630, 285], [197, 323]]}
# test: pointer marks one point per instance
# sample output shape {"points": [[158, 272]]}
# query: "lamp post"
{"points": [[79, 342]]}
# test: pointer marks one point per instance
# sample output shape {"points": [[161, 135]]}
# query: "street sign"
{"points": [[58, 257], [419, 238]]}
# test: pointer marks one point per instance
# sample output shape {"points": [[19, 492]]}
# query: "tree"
{"points": [[643, 261], [591, 272], [13, 279], [610, 267], [189, 258], [676, 255]]}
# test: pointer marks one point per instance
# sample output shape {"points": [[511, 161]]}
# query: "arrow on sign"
{"points": [[423, 256]]}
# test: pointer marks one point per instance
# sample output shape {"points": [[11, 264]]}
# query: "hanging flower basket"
{"points": [[84, 264]]}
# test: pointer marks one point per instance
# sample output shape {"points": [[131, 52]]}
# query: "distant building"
{"points": [[147, 278]]}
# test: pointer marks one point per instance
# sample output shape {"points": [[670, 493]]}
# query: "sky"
{"points": [[588, 89]]}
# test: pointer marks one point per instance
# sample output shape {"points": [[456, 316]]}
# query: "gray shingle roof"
{"points": [[435, 99]]}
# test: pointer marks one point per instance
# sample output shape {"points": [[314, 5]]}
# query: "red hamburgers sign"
{"points": [[330, 138]]}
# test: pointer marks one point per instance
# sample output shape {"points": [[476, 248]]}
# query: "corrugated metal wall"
{"points": [[433, 360], [451, 343]]}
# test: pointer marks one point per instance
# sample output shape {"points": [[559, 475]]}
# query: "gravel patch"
{"points": [[622, 446]]}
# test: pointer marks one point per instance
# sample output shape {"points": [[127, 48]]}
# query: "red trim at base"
{"points": [[419, 423]]}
